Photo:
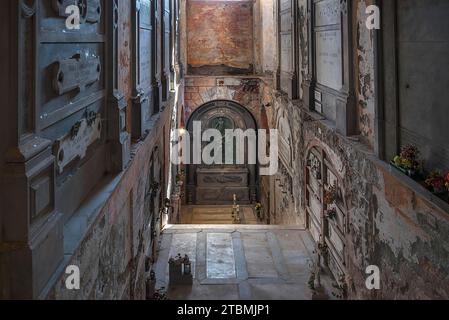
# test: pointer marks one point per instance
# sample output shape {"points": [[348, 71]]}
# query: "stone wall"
{"points": [[113, 251], [220, 37], [243, 90], [393, 222]]}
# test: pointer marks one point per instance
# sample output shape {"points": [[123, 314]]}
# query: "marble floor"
{"points": [[244, 262], [216, 215]]}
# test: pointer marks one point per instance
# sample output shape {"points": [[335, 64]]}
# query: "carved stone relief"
{"points": [[76, 73], [75, 144]]}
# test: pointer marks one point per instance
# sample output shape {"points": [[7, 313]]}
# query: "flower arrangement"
{"points": [[437, 182], [408, 160], [180, 177], [258, 207], [330, 195], [323, 248], [331, 213]]}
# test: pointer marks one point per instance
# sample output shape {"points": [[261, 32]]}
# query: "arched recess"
{"points": [[216, 184], [327, 210]]}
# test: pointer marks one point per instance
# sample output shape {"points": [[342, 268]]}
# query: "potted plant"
{"points": [[446, 179], [180, 178], [437, 183], [331, 195], [331, 213], [408, 161], [330, 198]]}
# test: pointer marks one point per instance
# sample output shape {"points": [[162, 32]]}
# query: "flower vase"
{"points": [[439, 191]]}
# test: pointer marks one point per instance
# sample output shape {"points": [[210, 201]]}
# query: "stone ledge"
{"points": [[435, 202]]}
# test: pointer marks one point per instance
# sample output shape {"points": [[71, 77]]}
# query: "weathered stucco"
{"points": [[220, 37]]}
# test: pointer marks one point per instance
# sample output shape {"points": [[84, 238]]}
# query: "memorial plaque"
{"points": [[327, 13], [144, 66], [285, 5], [286, 53], [145, 47], [76, 73], [145, 58], [329, 69], [74, 145], [222, 177]]}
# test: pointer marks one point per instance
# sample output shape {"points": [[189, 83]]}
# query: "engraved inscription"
{"points": [[145, 58], [145, 13], [329, 59], [76, 73], [74, 145], [327, 13]]}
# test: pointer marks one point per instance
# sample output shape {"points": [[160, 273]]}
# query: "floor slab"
{"points": [[235, 262]]}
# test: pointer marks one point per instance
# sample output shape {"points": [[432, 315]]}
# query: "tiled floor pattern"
{"points": [[239, 262]]}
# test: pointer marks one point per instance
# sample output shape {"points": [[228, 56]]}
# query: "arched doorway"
{"points": [[217, 184]]}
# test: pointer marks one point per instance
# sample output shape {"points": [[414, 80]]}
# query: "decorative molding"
{"points": [[78, 72], [344, 7], [28, 11], [74, 145]]}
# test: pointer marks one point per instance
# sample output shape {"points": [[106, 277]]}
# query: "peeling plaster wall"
{"points": [[256, 95], [303, 43], [268, 31], [124, 45], [220, 37], [391, 225], [366, 74], [243, 90], [392, 222]]}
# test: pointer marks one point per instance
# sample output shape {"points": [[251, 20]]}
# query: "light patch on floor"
{"points": [[216, 215]]}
